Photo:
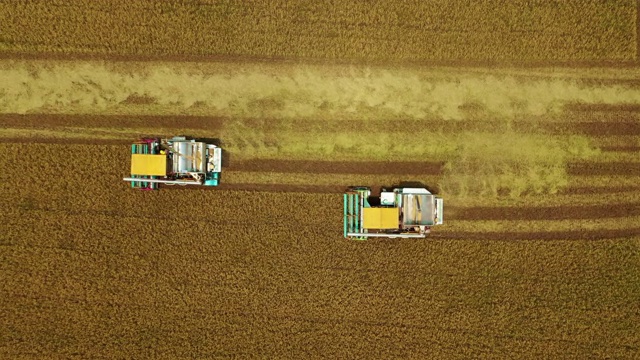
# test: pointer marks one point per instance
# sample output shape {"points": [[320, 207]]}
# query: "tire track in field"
{"points": [[340, 167], [340, 188], [606, 169], [275, 59], [637, 59], [595, 129], [334, 167], [49, 121], [621, 127], [585, 190], [592, 235], [547, 212], [272, 188], [637, 32], [620, 148], [66, 141], [590, 108]]}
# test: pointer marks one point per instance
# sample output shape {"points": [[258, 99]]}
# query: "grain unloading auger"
{"points": [[175, 161], [402, 213]]}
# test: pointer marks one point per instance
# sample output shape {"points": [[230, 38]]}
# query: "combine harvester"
{"points": [[402, 213], [175, 161]]}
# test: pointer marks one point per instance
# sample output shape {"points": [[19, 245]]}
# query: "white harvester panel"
{"points": [[418, 209], [189, 157], [215, 159], [387, 198]]}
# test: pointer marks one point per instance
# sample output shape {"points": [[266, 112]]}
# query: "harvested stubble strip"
{"points": [[619, 156]]}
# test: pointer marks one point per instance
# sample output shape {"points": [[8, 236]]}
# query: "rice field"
{"points": [[523, 115], [575, 30]]}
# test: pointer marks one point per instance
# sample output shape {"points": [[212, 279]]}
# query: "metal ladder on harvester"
{"points": [[352, 217]]}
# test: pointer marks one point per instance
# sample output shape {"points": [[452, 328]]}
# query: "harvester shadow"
{"points": [[374, 199], [214, 141], [434, 189], [226, 158]]}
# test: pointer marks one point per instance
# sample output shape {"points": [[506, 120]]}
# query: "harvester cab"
{"points": [[175, 161], [401, 213]]}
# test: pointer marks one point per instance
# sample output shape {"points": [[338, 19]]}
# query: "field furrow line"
{"points": [[600, 211], [565, 124], [339, 167], [604, 168], [621, 148], [587, 235]]}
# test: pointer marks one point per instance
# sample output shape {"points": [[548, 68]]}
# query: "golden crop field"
{"points": [[117, 272], [513, 30], [523, 115]]}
